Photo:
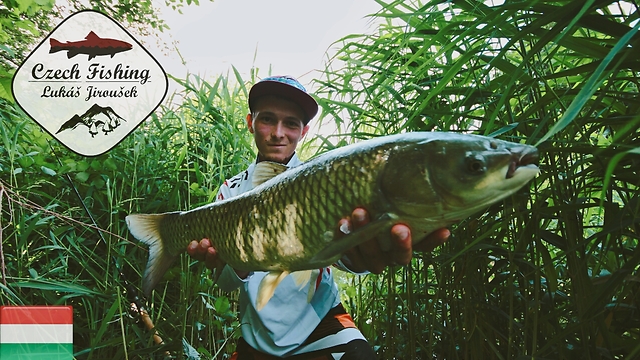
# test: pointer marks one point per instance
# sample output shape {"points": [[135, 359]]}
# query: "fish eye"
{"points": [[476, 164], [493, 145]]}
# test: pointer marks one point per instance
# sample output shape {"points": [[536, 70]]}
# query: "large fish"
{"points": [[286, 224]]}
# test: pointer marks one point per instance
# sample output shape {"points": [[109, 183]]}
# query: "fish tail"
{"points": [[146, 228], [55, 45]]}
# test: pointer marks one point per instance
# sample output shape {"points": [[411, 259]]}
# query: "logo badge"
{"points": [[89, 83]]}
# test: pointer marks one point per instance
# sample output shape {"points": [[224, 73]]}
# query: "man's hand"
{"points": [[203, 251], [369, 257]]}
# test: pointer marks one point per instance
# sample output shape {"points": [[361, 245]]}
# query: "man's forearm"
{"points": [[230, 279]]}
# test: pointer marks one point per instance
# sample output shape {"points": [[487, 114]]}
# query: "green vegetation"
{"points": [[551, 273], [53, 254]]}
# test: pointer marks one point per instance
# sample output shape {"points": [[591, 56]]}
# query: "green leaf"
{"points": [[609, 172], [104, 323], [45, 3], [222, 305], [110, 164], [82, 165], [47, 170], [549, 269], [189, 351], [23, 5], [82, 176], [504, 129], [9, 51], [5, 83], [54, 285], [590, 87]]}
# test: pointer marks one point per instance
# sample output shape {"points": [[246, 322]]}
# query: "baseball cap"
{"points": [[286, 87]]}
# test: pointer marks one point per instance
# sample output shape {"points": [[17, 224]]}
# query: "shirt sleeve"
{"points": [[223, 192], [229, 280]]}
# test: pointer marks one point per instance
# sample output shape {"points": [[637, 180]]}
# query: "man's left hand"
{"points": [[369, 257]]}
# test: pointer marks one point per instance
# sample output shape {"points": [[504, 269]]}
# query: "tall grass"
{"points": [[551, 272]]}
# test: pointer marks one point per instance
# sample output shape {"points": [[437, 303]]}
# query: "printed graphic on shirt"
{"points": [[235, 181]]}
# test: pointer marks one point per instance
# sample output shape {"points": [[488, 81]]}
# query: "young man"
{"points": [[289, 325]]}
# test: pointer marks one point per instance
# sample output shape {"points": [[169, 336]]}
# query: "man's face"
{"points": [[277, 127]]}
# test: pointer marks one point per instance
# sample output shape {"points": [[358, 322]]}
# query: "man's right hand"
{"points": [[203, 251]]}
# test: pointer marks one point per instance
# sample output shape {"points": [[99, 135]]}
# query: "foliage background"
{"points": [[551, 273]]}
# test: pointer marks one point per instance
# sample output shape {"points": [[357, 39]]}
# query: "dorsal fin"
{"points": [[266, 170], [92, 36]]}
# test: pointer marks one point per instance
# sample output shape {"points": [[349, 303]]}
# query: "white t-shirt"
{"points": [[288, 318]]}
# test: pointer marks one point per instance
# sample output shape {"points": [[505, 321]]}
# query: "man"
{"points": [[290, 325]]}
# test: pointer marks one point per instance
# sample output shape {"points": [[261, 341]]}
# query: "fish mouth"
{"points": [[526, 158]]}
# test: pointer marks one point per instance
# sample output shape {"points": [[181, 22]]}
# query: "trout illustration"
{"points": [[287, 222], [92, 45]]}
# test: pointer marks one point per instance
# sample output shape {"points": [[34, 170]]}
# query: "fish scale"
{"points": [[426, 180]]}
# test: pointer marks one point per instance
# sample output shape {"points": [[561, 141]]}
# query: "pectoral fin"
{"points": [[302, 278], [355, 238], [266, 170], [307, 278], [268, 287]]}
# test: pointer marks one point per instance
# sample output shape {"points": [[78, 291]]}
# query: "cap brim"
{"points": [[267, 87]]}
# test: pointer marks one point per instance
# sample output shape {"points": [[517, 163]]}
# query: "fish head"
{"points": [[451, 176]]}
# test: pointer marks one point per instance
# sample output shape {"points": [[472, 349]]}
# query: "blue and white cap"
{"points": [[287, 87]]}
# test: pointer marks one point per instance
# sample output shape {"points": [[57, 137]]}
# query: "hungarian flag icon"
{"points": [[36, 332]]}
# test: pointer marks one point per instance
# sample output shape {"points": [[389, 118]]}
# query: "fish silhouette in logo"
{"points": [[96, 118], [92, 45]]}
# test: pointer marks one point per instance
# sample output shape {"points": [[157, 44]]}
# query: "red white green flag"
{"points": [[36, 332]]}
